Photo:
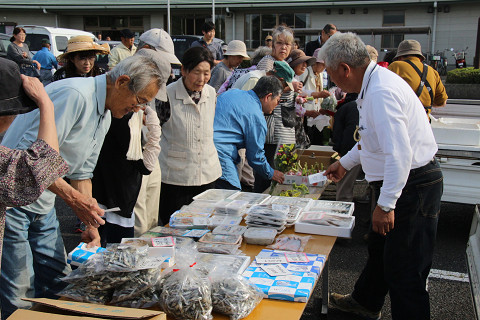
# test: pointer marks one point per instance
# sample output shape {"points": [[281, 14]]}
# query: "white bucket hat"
{"points": [[237, 48], [161, 41]]}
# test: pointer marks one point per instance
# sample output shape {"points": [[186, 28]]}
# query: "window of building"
{"points": [[111, 25], [392, 18], [256, 23], [191, 24]]}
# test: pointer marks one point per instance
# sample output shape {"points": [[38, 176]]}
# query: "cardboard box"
{"points": [[49, 309], [317, 179], [321, 157]]}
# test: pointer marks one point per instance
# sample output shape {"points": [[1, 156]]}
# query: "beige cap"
{"points": [[409, 47], [237, 48], [161, 60], [83, 43], [372, 52], [161, 41], [269, 37]]}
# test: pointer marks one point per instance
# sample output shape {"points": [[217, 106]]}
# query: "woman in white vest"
{"points": [[188, 160]]}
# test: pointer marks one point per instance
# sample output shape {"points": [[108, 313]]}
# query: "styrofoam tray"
{"points": [[335, 207]]}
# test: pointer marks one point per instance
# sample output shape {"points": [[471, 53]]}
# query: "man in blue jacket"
{"points": [[47, 60], [240, 123]]}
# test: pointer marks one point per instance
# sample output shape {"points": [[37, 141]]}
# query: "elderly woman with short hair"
{"points": [[189, 160], [281, 124]]}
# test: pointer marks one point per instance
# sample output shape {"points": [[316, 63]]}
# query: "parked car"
{"points": [[4, 42], [181, 44], [58, 37]]}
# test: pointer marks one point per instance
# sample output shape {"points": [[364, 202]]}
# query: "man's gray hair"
{"points": [[283, 30], [267, 85], [344, 47], [259, 53], [142, 71]]}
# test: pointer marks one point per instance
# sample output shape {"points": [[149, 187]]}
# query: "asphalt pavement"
{"points": [[450, 299]]}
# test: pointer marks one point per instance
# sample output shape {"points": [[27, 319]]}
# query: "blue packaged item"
{"points": [[296, 286], [81, 254]]}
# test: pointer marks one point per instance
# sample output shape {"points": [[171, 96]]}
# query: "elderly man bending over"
{"points": [[240, 123], [34, 256]]}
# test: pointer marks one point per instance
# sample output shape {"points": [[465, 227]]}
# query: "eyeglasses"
{"points": [[281, 44], [268, 40], [140, 104]]}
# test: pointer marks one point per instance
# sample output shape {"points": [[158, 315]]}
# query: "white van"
{"points": [[58, 37]]}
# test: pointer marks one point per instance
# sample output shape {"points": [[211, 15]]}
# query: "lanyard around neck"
{"points": [[368, 82]]}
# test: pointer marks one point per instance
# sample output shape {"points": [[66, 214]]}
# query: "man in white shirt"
{"points": [[396, 150], [123, 50]]}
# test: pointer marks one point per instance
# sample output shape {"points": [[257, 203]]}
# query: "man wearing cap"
{"points": [[239, 123], [47, 61], [148, 201], [327, 31], [83, 110], [269, 41], [236, 53], [123, 50], [208, 30], [396, 149], [408, 64]]}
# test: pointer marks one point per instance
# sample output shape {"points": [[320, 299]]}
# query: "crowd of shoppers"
{"points": [[132, 137]]}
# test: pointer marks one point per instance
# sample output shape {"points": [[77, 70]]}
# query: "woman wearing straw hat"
{"points": [[79, 58], [233, 57]]}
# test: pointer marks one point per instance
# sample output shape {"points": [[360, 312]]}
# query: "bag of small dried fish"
{"points": [[233, 295], [186, 290]]}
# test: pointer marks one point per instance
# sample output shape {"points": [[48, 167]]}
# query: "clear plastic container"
{"points": [[230, 230], [221, 220], [304, 203], [215, 195], [218, 248], [222, 239], [250, 197], [260, 236], [272, 211], [333, 207], [231, 207]]}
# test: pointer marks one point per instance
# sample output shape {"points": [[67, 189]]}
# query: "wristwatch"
{"points": [[385, 209]]}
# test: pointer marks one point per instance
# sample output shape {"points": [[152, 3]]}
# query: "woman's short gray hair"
{"points": [[142, 71], [344, 47], [285, 31]]}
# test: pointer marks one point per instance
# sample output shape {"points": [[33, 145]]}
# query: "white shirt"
{"points": [[395, 134], [249, 80]]}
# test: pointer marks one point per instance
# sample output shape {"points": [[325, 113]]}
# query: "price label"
{"points": [[271, 260], [163, 242], [296, 257], [274, 270]]}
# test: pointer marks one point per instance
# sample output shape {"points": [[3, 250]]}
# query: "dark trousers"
{"points": [[400, 262], [261, 183], [224, 184], [173, 197], [113, 233]]}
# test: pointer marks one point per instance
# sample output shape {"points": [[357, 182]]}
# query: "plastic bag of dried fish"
{"points": [[233, 295], [138, 282], [186, 294], [147, 299], [121, 257], [290, 242], [86, 294]]}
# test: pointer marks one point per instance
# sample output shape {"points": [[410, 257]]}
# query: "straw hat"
{"points": [[237, 48], [409, 47], [297, 56], [83, 43]]}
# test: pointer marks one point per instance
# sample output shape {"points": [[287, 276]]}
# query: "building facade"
{"points": [[437, 25]]}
